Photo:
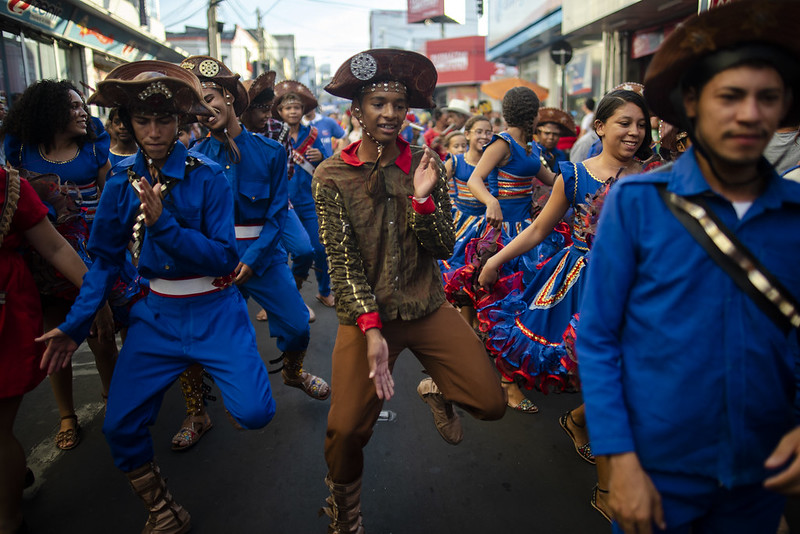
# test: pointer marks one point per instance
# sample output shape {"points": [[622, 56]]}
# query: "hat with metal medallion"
{"points": [[387, 69], [741, 32], [151, 85], [213, 72]]}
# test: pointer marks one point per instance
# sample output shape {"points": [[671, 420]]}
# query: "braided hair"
{"points": [[520, 108]]}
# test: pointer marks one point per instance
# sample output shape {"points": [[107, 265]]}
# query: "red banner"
{"points": [[460, 61]]}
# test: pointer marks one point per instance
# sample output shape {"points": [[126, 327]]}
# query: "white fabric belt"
{"points": [[248, 231], [186, 287]]}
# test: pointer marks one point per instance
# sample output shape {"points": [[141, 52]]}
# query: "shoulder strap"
{"points": [[10, 199], [734, 258]]}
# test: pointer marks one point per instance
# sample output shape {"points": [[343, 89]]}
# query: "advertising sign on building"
{"points": [[509, 17], [453, 11], [460, 61]]}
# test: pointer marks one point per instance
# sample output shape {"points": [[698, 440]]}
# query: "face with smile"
{"points": [[382, 114], [155, 134], [78, 117], [479, 135], [223, 110], [255, 118], [737, 112], [624, 131], [291, 112]]}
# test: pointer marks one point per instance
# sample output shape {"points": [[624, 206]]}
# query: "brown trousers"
{"points": [[450, 352]]}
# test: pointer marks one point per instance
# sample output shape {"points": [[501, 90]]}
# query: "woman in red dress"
{"points": [[23, 218]]}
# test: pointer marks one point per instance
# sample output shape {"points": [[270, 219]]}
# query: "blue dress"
{"points": [[469, 213], [515, 183], [79, 173], [525, 332]]}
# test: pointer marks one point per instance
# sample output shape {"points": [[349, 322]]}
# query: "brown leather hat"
{"points": [[630, 86], [153, 85], [413, 70], [560, 118], [736, 26], [256, 88], [285, 87], [208, 69]]}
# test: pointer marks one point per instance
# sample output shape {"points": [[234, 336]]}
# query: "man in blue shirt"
{"points": [[261, 203], [327, 128], [185, 245], [689, 384]]}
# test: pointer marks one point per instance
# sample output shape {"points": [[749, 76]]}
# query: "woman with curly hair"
{"points": [[49, 130]]}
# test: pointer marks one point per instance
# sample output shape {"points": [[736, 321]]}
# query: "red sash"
{"points": [[298, 154]]}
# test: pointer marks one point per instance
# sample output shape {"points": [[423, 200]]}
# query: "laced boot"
{"points": [[294, 375], [166, 516], [344, 507], [197, 421], [447, 421]]}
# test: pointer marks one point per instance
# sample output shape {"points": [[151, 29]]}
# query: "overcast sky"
{"points": [[331, 31]]}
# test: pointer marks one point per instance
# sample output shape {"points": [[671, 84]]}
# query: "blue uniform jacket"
{"points": [[300, 184], [677, 363], [194, 235], [260, 191]]}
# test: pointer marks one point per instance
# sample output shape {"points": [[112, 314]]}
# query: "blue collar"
{"points": [[175, 166], [687, 180]]}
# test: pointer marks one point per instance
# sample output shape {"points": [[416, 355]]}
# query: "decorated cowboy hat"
{"points": [[257, 89], [208, 69], [307, 99], [767, 30], [560, 118], [152, 85], [373, 69]]}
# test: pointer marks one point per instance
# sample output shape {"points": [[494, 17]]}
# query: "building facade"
{"points": [[78, 40]]}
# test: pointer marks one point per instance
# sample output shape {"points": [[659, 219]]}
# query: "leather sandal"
{"points": [[328, 301], [523, 406], [585, 450], [595, 491], [194, 426], [314, 386], [68, 439]]}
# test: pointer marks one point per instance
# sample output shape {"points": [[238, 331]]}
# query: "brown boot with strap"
{"points": [[344, 507], [166, 516]]}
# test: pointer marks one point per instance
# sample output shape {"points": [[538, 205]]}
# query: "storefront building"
{"points": [[75, 40]]}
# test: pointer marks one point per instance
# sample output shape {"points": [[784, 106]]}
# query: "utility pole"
{"points": [[262, 49], [214, 43]]}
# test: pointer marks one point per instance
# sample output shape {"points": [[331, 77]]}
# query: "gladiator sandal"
{"points": [[294, 375], [444, 415], [166, 516], [344, 507], [197, 421]]}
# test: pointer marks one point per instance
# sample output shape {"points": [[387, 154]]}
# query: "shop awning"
{"points": [[497, 88]]}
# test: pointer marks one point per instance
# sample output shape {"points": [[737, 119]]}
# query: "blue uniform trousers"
{"points": [[288, 316], [700, 505], [167, 335], [297, 243], [308, 217]]}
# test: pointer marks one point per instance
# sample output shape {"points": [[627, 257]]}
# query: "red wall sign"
{"points": [[460, 61]]}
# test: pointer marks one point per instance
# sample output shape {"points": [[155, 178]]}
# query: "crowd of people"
{"points": [[641, 267]]}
